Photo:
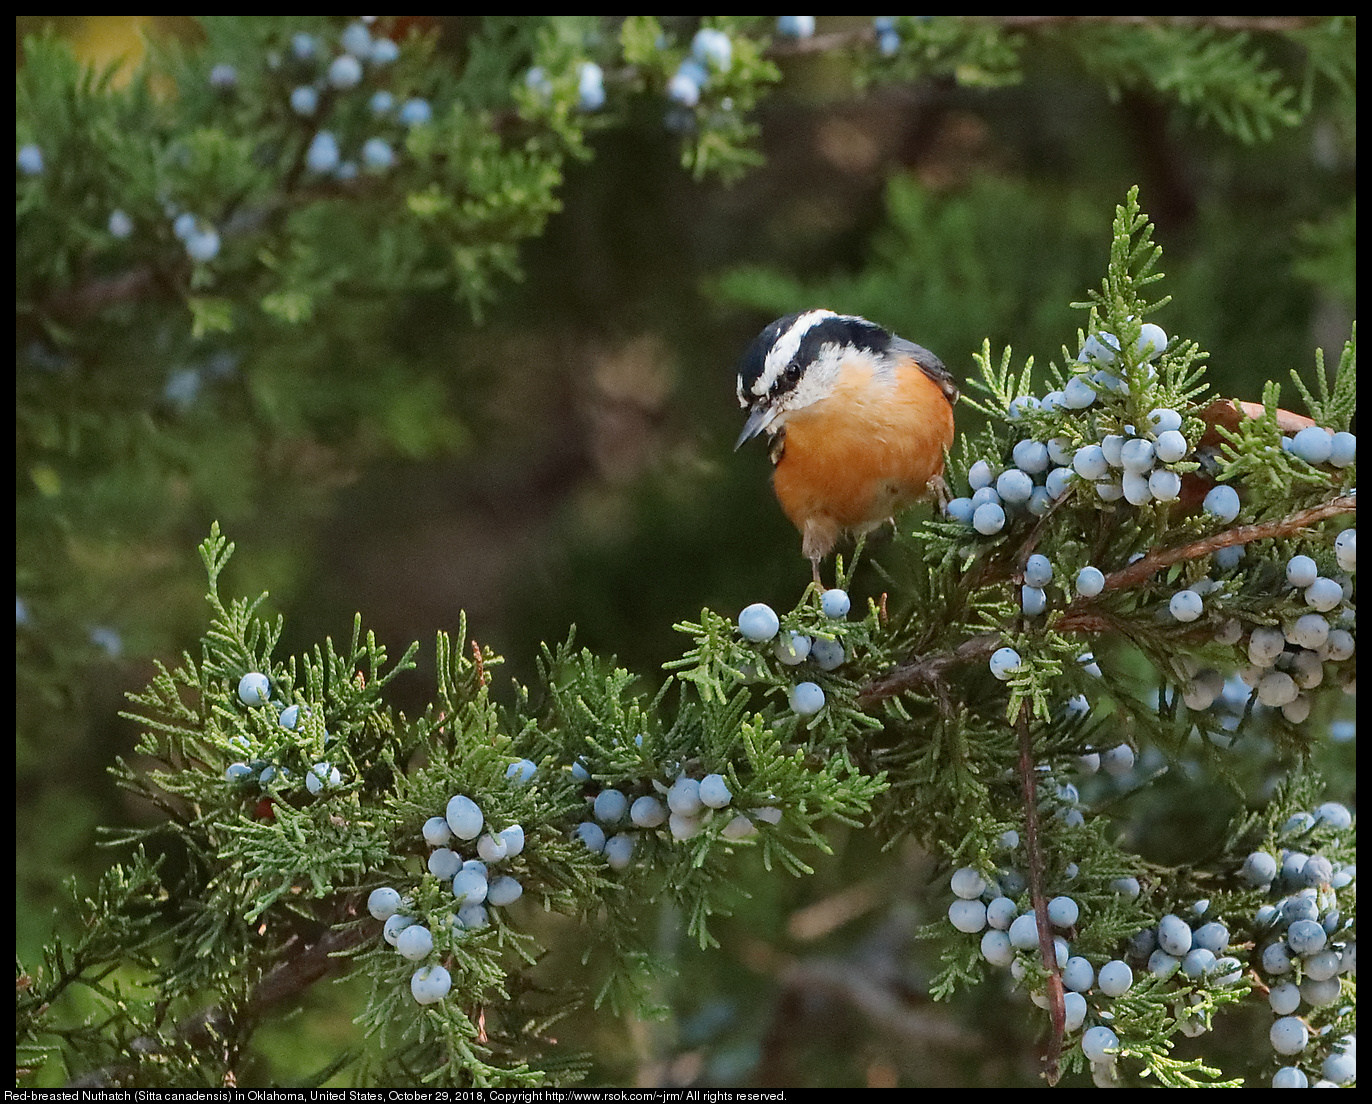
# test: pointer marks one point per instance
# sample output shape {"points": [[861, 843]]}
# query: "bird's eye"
{"points": [[793, 371]]}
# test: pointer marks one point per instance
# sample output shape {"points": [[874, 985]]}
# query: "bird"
{"points": [[859, 421]]}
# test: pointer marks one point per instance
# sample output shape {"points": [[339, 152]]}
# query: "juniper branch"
{"points": [[866, 36], [1137, 572], [301, 971], [1056, 1008], [210, 1026], [1084, 615], [927, 671]]}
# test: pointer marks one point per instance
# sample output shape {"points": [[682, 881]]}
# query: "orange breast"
{"points": [[856, 457]]}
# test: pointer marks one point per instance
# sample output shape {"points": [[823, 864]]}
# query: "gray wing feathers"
{"points": [[929, 364]]}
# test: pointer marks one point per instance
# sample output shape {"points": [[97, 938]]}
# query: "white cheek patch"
{"points": [[817, 381], [821, 378], [785, 348]]}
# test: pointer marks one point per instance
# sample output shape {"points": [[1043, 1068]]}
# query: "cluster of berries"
{"points": [[1283, 660], [1313, 641], [1130, 465], [1062, 799], [321, 84], [1194, 947], [1318, 446], [1304, 942], [590, 85], [472, 885], [322, 75], [1117, 761], [759, 623], [254, 689], [1011, 939], [712, 53], [1303, 934], [685, 808], [1114, 459]]}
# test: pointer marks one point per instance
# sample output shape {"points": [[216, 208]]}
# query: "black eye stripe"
{"points": [[844, 331], [754, 361], [841, 333]]}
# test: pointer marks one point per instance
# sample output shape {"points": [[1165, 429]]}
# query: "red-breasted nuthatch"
{"points": [[859, 421]]}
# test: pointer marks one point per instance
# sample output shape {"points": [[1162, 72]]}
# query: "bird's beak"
{"points": [[757, 421]]}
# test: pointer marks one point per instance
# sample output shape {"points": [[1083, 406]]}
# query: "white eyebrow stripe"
{"points": [[785, 348]]}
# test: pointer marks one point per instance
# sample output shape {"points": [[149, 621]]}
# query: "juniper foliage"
{"points": [[914, 739], [259, 877]]}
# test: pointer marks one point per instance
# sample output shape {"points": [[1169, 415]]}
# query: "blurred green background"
{"points": [[589, 477]]}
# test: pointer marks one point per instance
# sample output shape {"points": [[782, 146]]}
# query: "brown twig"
{"points": [[1083, 615], [1137, 572], [96, 294], [927, 671], [211, 1028], [1056, 1008], [819, 44], [480, 664], [290, 977]]}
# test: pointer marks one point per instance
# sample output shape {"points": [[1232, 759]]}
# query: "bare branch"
{"points": [[97, 294], [820, 44], [295, 974]]}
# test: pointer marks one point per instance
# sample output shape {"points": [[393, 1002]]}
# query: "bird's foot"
{"points": [[940, 492]]}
